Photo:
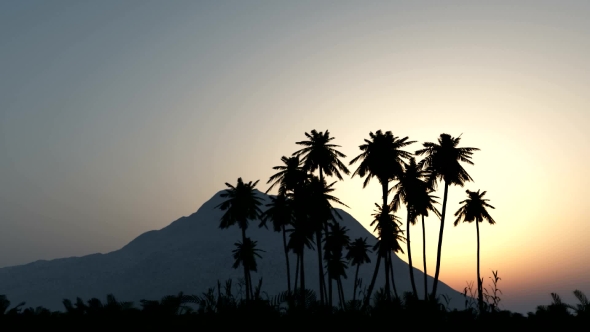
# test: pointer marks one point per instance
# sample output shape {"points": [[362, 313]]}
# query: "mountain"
{"points": [[189, 255]]}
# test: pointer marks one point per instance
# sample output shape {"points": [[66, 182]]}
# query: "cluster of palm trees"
{"points": [[303, 209]]}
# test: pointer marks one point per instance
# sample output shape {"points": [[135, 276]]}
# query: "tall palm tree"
{"points": [[358, 255], [406, 191], [424, 204], [319, 154], [474, 209], [382, 158], [245, 254], [291, 178], [242, 205], [443, 161], [280, 212]]}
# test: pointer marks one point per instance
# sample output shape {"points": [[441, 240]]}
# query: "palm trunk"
{"points": [[297, 273], [250, 282], [387, 270], [479, 285], [440, 237], [302, 270], [341, 292], [424, 257], [246, 279], [328, 293], [410, 255], [287, 260], [356, 282], [384, 215], [392, 278], [318, 237]]}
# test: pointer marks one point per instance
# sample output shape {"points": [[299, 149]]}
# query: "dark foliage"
{"points": [[218, 309]]}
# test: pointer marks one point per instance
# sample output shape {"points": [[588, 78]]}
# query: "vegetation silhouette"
{"points": [[304, 214], [336, 240], [424, 204], [319, 154], [474, 209], [382, 158], [280, 212], [358, 254], [242, 205], [219, 309], [407, 191], [442, 161], [388, 238]]}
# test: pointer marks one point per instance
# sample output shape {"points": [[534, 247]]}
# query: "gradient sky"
{"points": [[118, 117]]}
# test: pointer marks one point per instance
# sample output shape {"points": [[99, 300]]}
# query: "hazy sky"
{"points": [[118, 117]]}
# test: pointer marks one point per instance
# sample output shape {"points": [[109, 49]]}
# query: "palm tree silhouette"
{"points": [[299, 239], [382, 158], [319, 154], [474, 209], [358, 255], [336, 240], [424, 204], [313, 203], [389, 233], [290, 179], [289, 176], [407, 191], [242, 205], [280, 212], [442, 160], [245, 254]]}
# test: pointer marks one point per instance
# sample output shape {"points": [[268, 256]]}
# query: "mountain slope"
{"points": [[188, 255]]}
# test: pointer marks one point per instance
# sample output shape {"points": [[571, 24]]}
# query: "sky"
{"points": [[119, 117]]}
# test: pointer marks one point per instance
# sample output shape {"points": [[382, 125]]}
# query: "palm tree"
{"points": [[406, 191], [291, 179], [358, 255], [313, 203], [319, 154], [442, 160], [336, 240], [242, 205], [389, 233], [245, 254], [382, 158], [280, 212], [425, 203], [289, 176], [299, 239], [474, 209], [321, 211]]}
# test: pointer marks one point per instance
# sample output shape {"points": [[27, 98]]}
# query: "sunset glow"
{"points": [[120, 117]]}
